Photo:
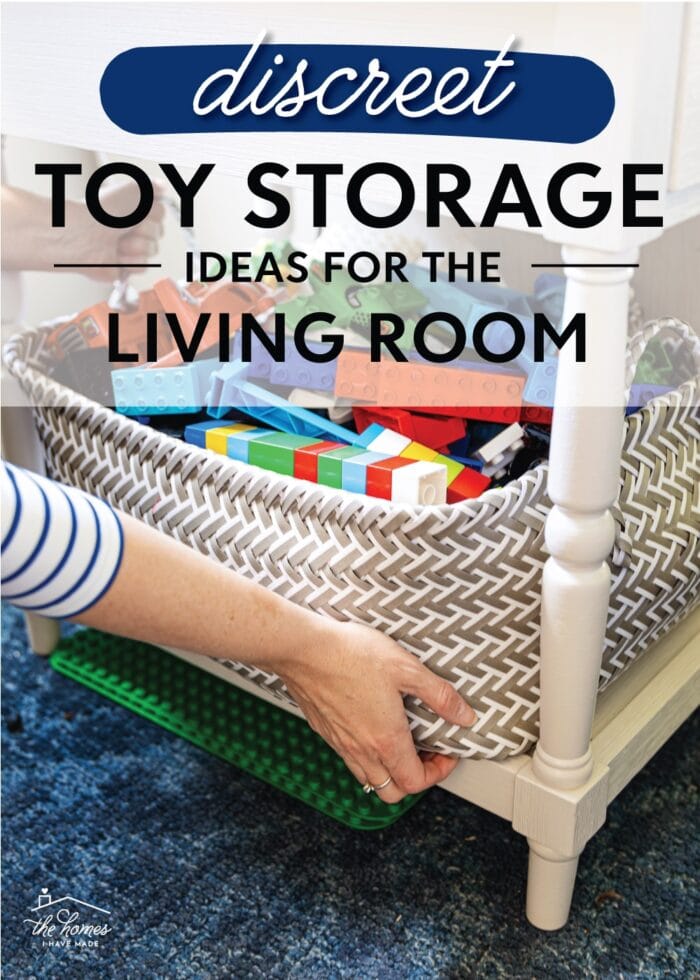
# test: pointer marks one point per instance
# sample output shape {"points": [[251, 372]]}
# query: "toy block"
{"points": [[420, 483], [468, 485], [239, 442], [196, 434], [276, 412], [297, 371], [414, 450], [330, 465], [540, 381], [323, 401], [380, 475], [471, 393], [275, 451], [640, 394], [354, 471], [431, 430], [217, 438], [223, 386], [356, 376], [306, 459], [538, 414], [453, 466], [162, 391], [381, 440], [496, 450]]}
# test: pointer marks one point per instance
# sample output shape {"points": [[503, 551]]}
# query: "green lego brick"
{"points": [[233, 725], [275, 451], [330, 465]]}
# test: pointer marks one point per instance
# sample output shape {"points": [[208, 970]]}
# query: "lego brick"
{"points": [[275, 451], [369, 435], [225, 721], [238, 443], [162, 391], [384, 440], [415, 451], [217, 438], [330, 465], [276, 412], [357, 377], [294, 371], [306, 459], [508, 441], [536, 413], [420, 483], [354, 471], [431, 430], [323, 401], [453, 466], [223, 386], [196, 434], [380, 476], [640, 394], [540, 379], [458, 392], [468, 485], [298, 371]]}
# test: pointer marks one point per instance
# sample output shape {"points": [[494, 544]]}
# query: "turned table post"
{"points": [[583, 484]]}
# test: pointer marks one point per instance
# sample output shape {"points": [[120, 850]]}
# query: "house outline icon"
{"points": [[45, 901]]}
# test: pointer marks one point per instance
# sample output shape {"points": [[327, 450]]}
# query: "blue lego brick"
{"points": [[238, 443], [540, 379], [196, 434], [367, 437], [267, 407], [295, 371], [640, 394], [222, 387], [162, 391], [354, 473]]}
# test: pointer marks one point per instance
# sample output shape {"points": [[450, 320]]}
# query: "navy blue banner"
{"points": [[357, 88]]}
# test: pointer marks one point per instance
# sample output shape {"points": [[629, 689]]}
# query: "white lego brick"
{"points": [[498, 469], [496, 451], [391, 443], [317, 399], [420, 483]]}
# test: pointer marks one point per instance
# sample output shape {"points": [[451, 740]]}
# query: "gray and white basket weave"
{"points": [[458, 586]]}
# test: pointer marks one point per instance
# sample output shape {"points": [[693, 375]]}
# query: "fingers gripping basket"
{"points": [[458, 586]]}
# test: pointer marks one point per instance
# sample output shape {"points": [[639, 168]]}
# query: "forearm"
{"points": [[166, 593]]}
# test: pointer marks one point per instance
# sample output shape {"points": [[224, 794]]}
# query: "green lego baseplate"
{"points": [[236, 726]]}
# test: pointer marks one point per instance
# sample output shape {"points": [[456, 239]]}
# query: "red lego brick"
{"points": [[469, 484], [306, 459], [537, 414], [380, 476], [429, 430], [357, 377], [469, 393]]}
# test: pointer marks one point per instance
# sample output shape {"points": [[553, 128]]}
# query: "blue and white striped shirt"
{"points": [[61, 548]]}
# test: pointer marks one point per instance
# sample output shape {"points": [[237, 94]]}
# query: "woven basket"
{"points": [[458, 586]]}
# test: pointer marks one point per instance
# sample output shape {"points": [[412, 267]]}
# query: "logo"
{"points": [[357, 88], [68, 922]]}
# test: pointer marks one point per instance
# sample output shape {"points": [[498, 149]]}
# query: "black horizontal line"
{"points": [[107, 265], [585, 265]]}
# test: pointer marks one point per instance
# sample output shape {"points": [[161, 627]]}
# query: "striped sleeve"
{"points": [[61, 548]]}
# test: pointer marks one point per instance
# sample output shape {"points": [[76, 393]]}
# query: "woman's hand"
{"points": [[350, 687], [89, 241]]}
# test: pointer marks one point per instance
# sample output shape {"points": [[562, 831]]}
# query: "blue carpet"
{"points": [[210, 873]]}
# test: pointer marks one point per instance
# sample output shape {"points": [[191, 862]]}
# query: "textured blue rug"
{"points": [[208, 873]]}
